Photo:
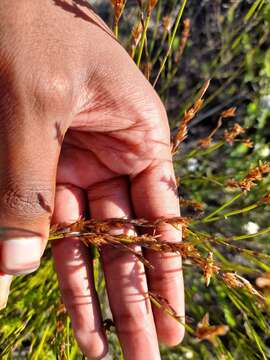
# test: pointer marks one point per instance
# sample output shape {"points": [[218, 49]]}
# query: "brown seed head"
{"points": [[228, 113], [231, 280], [118, 7], [206, 332], [151, 5], [188, 116], [210, 268], [205, 143], [248, 142], [183, 40], [254, 175], [231, 135], [167, 23], [263, 281], [137, 33], [266, 199], [194, 204]]}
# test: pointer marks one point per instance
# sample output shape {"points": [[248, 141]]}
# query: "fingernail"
{"points": [[21, 255], [5, 282], [126, 230]]}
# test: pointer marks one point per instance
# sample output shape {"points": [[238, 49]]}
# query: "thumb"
{"points": [[29, 152]]}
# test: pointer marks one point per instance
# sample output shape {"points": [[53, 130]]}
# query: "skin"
{"points": [[83, 132]]}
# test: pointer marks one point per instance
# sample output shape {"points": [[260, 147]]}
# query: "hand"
{"points": [[83, 132]]}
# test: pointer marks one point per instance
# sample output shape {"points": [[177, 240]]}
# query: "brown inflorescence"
{"points": [[118, 8], [236, 281], [254, 175], [194, 204], [210, 268], [98, 233], [206, 332], [235, 131], [150, 6], [167, 23], [266, 199], [183, 40], [206, 142], [136, 37], [182, 131], [263, 281], [248, 142]]}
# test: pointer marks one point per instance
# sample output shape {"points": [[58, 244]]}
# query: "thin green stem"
{"points": [[226, 204], [250, 236], [145, 28], [252, 10], [187, 179], [159, 50], [176, 26], [116, 29], [232, 213], [200, 152], [68, 338]]}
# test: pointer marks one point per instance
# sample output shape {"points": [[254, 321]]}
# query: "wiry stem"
{"points": [[226, 204], [145, 28], [176, 26]]}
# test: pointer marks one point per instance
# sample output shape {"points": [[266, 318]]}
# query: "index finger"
{"points": [[154, 195]]}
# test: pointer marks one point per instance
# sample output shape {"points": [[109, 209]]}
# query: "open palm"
{"points": [[104, 148]]}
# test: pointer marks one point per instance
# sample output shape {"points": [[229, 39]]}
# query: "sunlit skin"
{"points": [[84, 134]]}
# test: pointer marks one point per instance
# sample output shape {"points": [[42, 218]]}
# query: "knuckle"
{"points": [[132, 322], [52, 92], [31, 201], [108, 189]]}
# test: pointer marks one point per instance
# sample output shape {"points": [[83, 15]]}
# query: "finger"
{"points": [[154, 196], [75, 274], [125, 277], [5, 282], [29, 152]]}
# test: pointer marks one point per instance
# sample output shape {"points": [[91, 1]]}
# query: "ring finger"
{"points": [[125, 277]]}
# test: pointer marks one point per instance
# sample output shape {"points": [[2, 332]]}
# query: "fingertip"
{"points": [[172, 337], [93, 344]]}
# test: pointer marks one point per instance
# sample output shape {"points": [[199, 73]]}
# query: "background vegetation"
{"points": [[179, 45]]}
